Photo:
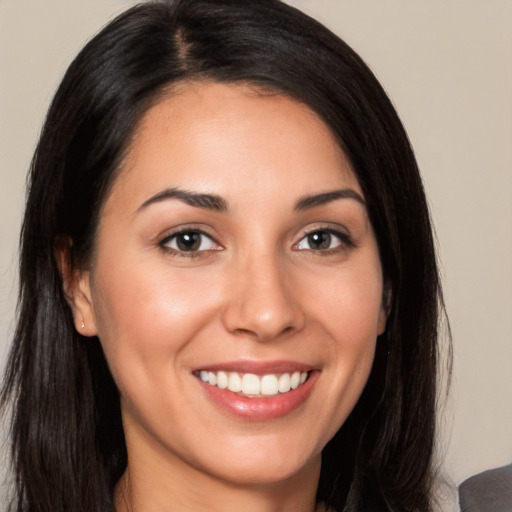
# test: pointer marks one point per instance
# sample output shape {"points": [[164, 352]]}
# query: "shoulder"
{"points": [[490, 491]]}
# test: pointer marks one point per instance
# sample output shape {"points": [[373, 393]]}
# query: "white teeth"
{"points": [[269, 385], [284, 383], [222, 380], [234, 383], [250, 384], [253, 385]]}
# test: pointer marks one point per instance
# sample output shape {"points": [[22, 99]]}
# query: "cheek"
{"points": [[355, 326], [349, 313], [146, 315], [350, 304]]}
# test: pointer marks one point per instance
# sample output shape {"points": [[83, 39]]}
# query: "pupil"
{"points": [[188, 241], [320, 240]]}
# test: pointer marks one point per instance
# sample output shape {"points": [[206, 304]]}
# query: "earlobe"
{"points": [[83, 307], [77, 288]]}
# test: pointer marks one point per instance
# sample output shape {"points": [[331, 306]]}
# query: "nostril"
{"points": [[266, 332], [288, 329]]}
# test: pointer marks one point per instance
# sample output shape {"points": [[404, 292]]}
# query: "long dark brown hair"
{"points": [[68, 448]]}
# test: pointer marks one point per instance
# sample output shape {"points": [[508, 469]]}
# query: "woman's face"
{"points": [[236, 286]]}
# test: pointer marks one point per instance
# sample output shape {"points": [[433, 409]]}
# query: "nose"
{"points": [[262, 304]]}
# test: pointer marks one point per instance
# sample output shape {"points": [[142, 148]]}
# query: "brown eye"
{"points": [[320, 240], [189, 241], [323, 240]]}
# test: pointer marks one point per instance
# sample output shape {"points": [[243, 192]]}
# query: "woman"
{"points": [[229, 293]]}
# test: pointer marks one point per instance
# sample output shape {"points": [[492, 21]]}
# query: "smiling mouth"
{"points": [[254, 386]]}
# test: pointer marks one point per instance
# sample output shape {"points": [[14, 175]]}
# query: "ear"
{"points": [[77, 288], [387, 295]]}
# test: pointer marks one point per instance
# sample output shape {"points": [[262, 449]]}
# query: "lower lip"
{"points": [[261, 408]]}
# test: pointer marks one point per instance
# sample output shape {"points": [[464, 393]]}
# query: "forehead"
{"points": [[227, 139]]}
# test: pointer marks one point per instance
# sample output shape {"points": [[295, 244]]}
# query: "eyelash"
{"points": [[345, 242], [164, 243]]}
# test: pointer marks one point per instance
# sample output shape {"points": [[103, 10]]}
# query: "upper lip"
{"points": [[257, 367]]}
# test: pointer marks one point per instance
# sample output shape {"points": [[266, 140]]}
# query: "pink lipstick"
{"points": [[258, 390]]}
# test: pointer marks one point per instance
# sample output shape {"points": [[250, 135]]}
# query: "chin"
{"points": [[264, 467]]}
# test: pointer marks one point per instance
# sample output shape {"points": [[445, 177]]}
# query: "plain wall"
{"points": [[448, 67]]}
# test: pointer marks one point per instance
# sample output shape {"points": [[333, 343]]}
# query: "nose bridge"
{"points": [[261, 303]]}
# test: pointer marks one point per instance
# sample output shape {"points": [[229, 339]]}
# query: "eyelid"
{"points": [[164, 241], [342, 234]]}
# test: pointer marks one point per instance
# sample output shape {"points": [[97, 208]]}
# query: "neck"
{"points": [[144, 488]]}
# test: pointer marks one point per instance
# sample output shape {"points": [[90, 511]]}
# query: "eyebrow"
{"points": [[308, 202], [217, 203], [206, 201]]}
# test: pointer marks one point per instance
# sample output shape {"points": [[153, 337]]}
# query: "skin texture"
{"points": [[257, 291]]}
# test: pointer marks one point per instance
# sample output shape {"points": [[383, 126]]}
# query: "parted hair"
{"points": [[67, 443]]}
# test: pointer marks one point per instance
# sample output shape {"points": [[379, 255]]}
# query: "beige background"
{"points": [[448, 67]]}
